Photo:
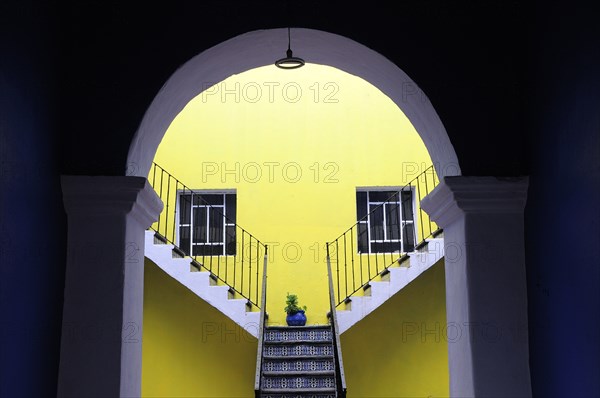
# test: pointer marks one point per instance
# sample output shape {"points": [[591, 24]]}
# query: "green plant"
{"points": [[292, 306]]}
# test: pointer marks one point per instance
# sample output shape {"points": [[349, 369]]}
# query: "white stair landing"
{"points": [[200, 283], [398, 277]]}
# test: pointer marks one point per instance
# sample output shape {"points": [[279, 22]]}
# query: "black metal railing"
{"points": [[340, 376], [261, 329], [385, 231], [203, 225]]}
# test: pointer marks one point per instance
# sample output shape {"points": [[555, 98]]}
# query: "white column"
{"points": [[101, 345], [486, 293]]}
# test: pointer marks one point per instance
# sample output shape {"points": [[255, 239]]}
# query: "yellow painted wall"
{"points": [[401, 349], [294, 145], [190, 349], [340, 133]]}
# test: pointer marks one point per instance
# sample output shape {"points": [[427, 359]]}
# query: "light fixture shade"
{"points": [[289, 62]]}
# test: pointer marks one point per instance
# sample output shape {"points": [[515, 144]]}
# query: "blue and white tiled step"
{"points": [[304, 333], [313, 393], [298, 362]]}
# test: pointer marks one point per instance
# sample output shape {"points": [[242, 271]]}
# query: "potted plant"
{"points": [[295, 313]]}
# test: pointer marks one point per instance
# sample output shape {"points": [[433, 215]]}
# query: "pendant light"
{"points": [[289, 62]]}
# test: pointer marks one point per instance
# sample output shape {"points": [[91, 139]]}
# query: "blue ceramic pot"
{"points": [[296, 319]]}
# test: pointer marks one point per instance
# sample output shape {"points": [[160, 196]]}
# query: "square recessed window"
{"points": [[386, 222], [206, 223]]}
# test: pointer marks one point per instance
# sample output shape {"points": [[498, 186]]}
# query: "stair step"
{"points": [[298, 392], [403, 259], [301, 341], [292, 357], [285, 382], [291, 336], [299, 327], [159, 239], [299, 364], [297, 373], [421, 245], [297, 349], [178, 253], [195, 266]]}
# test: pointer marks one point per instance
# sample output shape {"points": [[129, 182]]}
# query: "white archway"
{"points": [[482, 219], [260, 48]]}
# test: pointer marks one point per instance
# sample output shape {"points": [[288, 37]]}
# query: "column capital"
{"points": [[469, 195], [100, 196]]}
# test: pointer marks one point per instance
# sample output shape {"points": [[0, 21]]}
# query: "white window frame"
{"points": [[222, 209], [403, 222]]}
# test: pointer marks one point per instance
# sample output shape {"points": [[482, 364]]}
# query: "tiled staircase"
{"points": [[298, 361]]}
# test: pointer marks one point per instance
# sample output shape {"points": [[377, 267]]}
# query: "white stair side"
{"points": [[361, 306], [347, 318], [399, 277], [435, 249], [379, 292], [199, 284]]}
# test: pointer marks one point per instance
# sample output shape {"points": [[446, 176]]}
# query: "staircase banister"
{"points": [[218, 251], [261, 327], [340, 374], [382, 244]]}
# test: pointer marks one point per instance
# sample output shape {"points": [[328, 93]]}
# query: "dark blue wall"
{"points": [[563, 207], [32, 223]]}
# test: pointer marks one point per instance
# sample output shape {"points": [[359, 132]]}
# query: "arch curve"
{"points": [[263, 47]]}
